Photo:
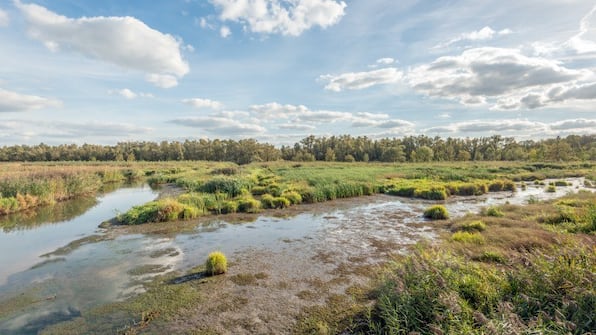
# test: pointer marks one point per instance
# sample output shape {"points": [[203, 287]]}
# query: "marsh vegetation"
{"points": [[494, 268]]}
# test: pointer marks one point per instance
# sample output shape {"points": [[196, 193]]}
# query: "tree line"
{"points": [[334, 148]]}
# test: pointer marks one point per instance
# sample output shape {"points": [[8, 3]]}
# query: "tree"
{"points": [[329, 155]]}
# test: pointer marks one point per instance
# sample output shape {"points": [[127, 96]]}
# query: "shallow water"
{"points": [[97, 272]]}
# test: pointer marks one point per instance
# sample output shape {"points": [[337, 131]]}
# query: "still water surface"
{"points": [[106, 270]]}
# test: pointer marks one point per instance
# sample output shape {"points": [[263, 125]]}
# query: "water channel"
{"points": [[100, 268]]}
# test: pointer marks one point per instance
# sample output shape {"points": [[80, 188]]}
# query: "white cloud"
{"points": [[274, 110], [125, 93], [585, 40], [501, 76], [16, 102], [203, 103], [323, 116], [225, 31], [360, 122], [162, 80], [294, 126], [444, 116], [93, 128], [575, 124], [4, 18], [484, 34], [361, 80], [220, 126], [373, 116], [281, 16], [518, 127], [386, 61], [124, 41]]}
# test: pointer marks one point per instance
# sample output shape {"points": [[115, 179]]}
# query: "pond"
{"points": [[101, 267]]}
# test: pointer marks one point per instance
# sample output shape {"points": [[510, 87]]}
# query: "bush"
{"points": [[436, 212], [494, 211], [216, 263], [468, 237]]}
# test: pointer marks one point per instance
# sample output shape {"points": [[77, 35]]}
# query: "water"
{"points": [[65, 285]]}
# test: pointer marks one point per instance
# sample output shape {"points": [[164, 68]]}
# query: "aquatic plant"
{"points": [[436, 212], [216, 263]]}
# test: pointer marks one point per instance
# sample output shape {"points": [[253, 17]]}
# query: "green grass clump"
{"points": [[494, 211], [551, 189], [249, 205], [436, 212], [294, 197], [561, 183], [216, 263], [269, 201], [162, 210], [501, 185], [468, 237], [473, 226], [231, 186]]}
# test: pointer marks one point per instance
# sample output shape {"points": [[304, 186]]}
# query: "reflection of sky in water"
{"points": [[20, 249], [101, 272]]}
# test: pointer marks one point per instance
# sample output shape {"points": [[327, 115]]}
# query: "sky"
{"points": [[103, 72]]}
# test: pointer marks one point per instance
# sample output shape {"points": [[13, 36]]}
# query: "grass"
{"points": [[468, 237], [216, 263], [436, 212]]}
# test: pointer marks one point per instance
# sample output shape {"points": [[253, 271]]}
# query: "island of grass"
{"points": [[223, 188]]}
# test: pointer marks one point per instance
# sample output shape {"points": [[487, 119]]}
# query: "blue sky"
{"points": [[279, 70]]}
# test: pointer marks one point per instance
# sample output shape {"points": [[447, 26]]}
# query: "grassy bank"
{"points": [[530, 271], [220, 188], [26, 186]]}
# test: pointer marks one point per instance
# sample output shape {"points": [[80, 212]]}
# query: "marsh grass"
{"points": [[522, 278], [216, 263], [436, 212]]}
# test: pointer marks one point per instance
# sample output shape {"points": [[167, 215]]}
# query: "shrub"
{"points": [[436, 212], [494, 211], [468, 237], [216, 263]]}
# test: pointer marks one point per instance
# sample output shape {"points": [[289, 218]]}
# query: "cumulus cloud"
{"points": [[505, 76], [518, 126], [203, 103], [123, 41], [281, 16], [4, 18], [361, 80], [360, 122], [220, 126], [225, 31], [484, 34], [16, 102]]}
